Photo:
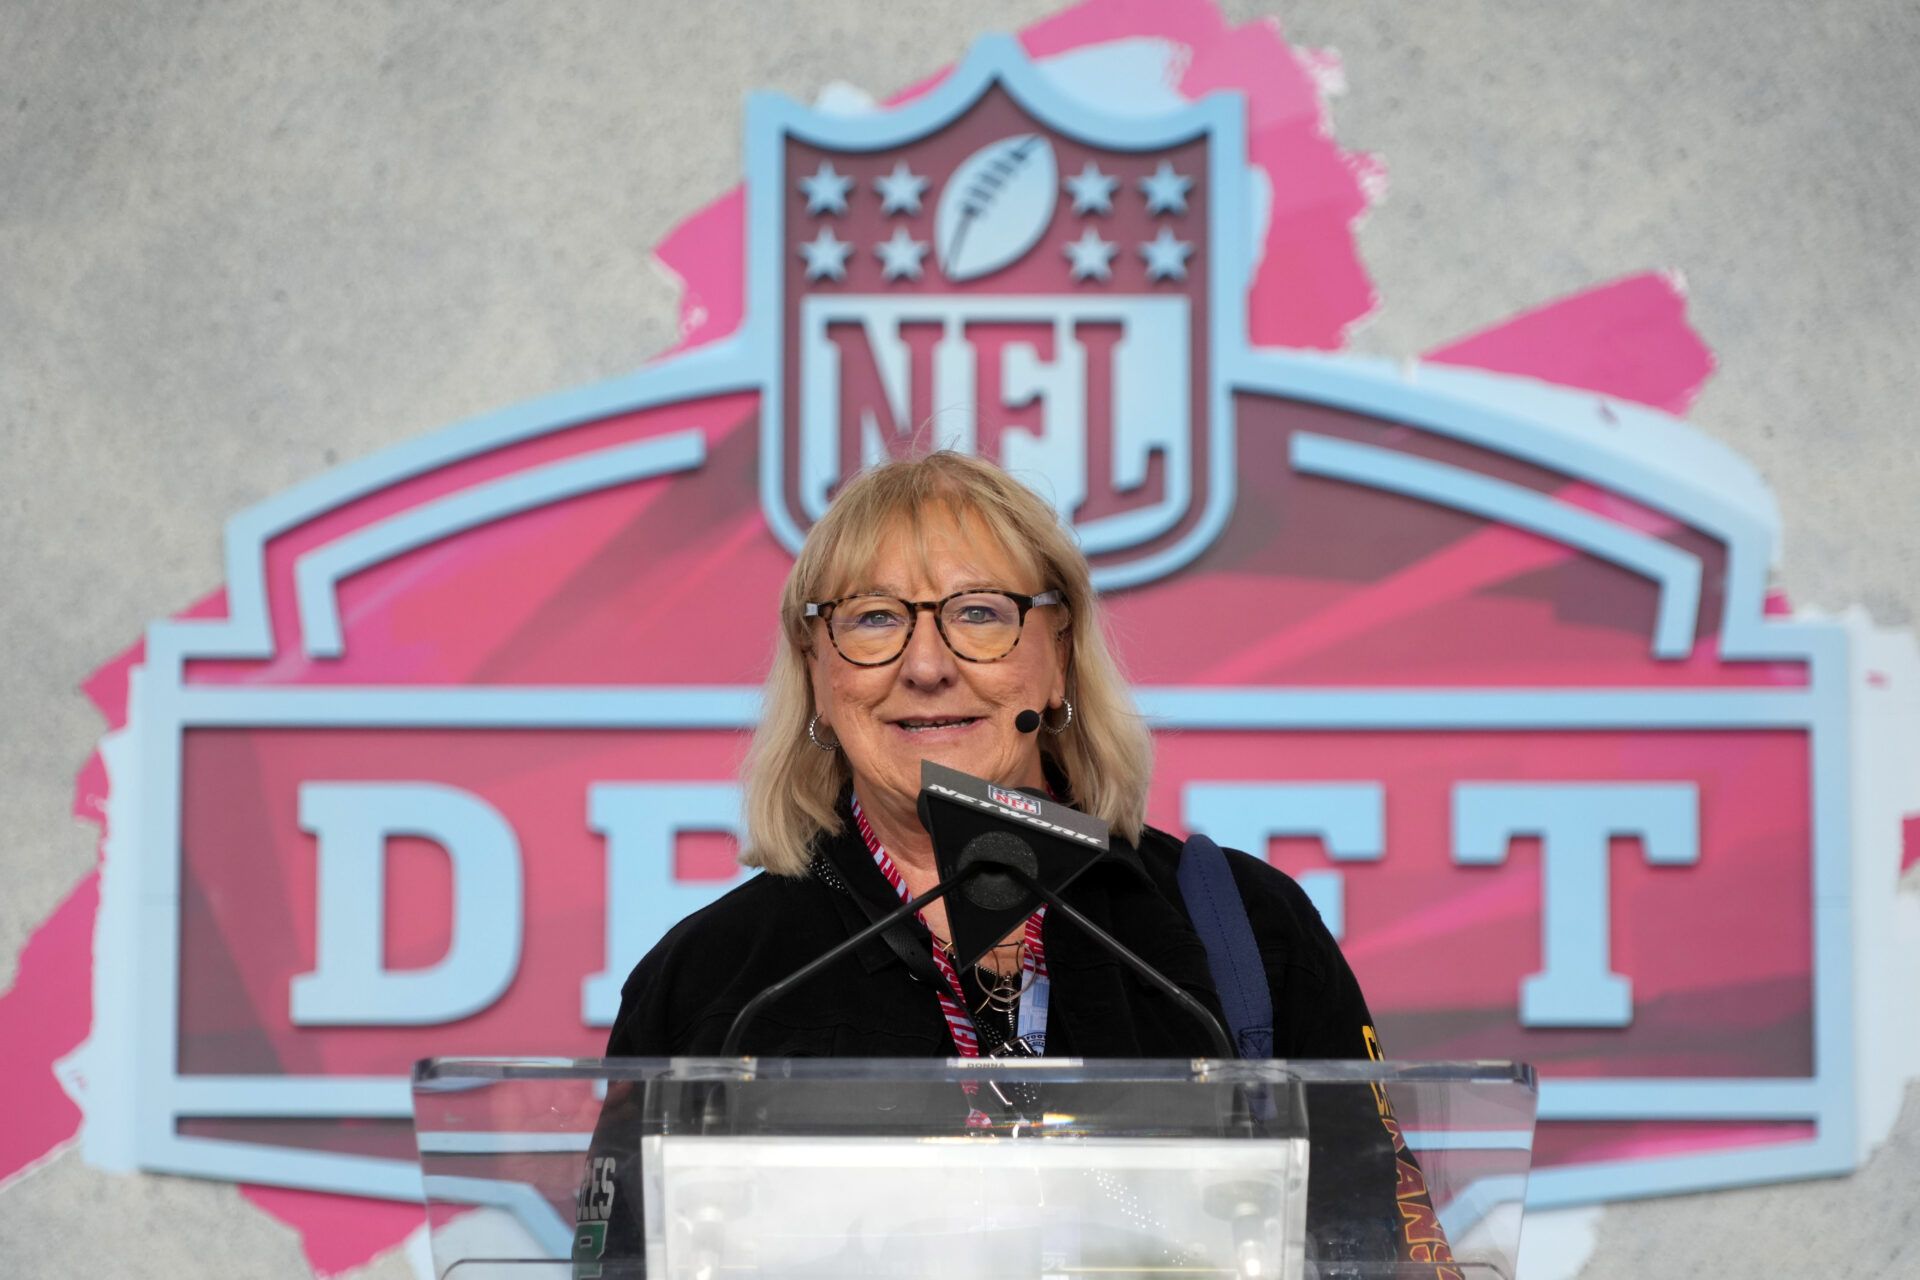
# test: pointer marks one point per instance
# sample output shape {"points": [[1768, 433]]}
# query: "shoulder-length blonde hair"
{"points": [[791, 786]]}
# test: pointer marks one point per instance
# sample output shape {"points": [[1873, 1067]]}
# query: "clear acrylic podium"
{"points": [[1050, 1169]]}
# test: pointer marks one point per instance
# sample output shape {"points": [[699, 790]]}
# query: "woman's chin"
{"points": [[977, 760]]}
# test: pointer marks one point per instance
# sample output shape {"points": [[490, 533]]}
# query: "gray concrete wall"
{"points": [[241, 242]]}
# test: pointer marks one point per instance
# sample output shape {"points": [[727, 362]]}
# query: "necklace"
{"points": [[1003, 996], [1001, 988]]}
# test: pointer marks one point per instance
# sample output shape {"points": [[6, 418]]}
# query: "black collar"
{"points": [[862, 896]]}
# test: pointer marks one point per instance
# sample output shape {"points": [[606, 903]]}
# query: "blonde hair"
{"points": [[792, 787]]}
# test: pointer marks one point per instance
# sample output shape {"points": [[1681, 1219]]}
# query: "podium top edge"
{"points": [[434, 1074]]}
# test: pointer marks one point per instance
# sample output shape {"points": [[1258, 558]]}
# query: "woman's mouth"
{"points": [[935, 724]]}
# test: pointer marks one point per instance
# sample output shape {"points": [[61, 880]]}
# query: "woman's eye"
{"points": [[875, 618], [984, 614]]}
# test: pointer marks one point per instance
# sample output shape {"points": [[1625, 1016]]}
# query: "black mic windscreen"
{"points": [[974, 821], [1027, 721]]}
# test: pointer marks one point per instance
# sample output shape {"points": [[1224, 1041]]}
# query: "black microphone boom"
{"points": [[1222, 1045], [730, 1047]]}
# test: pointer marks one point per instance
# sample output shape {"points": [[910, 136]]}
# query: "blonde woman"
{"points": [[936, 601]]}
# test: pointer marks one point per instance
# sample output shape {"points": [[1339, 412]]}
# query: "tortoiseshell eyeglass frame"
{"points": [[823, 610]]}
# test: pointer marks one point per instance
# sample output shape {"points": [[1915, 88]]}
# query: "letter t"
{"points": [[1576, 986]]}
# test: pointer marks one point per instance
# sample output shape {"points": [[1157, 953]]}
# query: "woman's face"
{"points": [[929, 704]]}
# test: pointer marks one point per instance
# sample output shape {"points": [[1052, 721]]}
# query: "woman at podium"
{"points": [[939, 611]]}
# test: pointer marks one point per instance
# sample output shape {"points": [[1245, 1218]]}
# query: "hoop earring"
{"points": [[1062, 727], [814, 738]]}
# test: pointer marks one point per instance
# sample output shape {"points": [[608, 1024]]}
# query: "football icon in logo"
{"points": [[996, 206]]}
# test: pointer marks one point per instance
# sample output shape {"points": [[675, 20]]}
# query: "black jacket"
{"points": [[683, 997]]}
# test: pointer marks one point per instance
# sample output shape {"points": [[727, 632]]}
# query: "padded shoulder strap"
{"points": [[1233, 957]]}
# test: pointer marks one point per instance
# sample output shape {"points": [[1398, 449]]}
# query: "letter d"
{"points": [[350, 984]]}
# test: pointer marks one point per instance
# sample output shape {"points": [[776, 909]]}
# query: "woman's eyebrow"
{"points": [[975, 584], [900, 593]]}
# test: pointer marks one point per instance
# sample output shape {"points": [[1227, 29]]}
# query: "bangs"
{"points": [[869, 535]]}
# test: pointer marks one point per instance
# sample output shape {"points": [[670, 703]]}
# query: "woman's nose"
{"points": [[927, 662]]}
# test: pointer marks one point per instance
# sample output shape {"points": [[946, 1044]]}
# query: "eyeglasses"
{"points": [[978, 626]]}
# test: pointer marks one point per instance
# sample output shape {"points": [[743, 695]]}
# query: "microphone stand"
{"points": [[1246, 1104], [1222, 1045], [715, 1109], [730, 1047]]}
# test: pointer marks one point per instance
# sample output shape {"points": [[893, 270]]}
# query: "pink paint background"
{"points": [[1629, 339]]}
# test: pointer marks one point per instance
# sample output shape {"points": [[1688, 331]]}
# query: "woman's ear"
{"points": [[1063, 647], [820, 696]]}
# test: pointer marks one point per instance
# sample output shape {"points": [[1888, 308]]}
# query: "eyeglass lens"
{"points": [[980, 625]]}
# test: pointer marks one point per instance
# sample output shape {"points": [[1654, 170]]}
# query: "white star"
{"points": [[1165, 190], [1166, 257], [900, 190], [826, 256], [1092, 190], [1091, 256], [826, 190], [900, 256]]}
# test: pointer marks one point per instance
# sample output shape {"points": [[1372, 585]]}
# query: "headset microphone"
{"points": [[1027, 721]]}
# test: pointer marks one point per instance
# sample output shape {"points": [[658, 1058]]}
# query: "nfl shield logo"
{"points": [[995, 269]]}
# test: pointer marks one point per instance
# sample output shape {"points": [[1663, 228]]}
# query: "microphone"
{"points": [[1027, 721], [988, 830], [1008, 851]]}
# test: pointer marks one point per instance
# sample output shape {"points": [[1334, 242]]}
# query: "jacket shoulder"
{"points": [[680, 976], [746, 901]]}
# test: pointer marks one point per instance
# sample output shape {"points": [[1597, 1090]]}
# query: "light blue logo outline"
{"points": [[1638, 453]]}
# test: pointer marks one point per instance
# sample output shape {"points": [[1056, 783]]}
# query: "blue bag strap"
{"points": [[1233, 957]]}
